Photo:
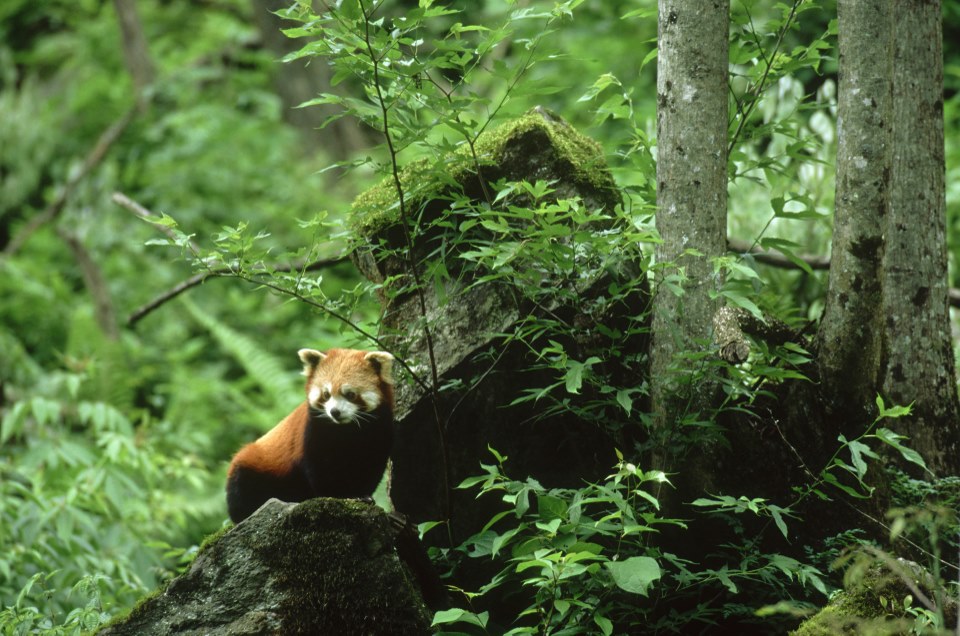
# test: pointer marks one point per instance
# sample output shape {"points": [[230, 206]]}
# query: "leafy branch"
{"points": [[754, 92], [409, 256], [262, 276], [97, 153]]}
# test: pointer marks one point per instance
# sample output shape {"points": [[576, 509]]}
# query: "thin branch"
{"points": [[212, 272], [153, 219], [225, 272], [814, 262], [144, 310], [411, 263], [93, 158], [136, 53], [141, 69], [95, 283], [761, 86], [776, 260]]}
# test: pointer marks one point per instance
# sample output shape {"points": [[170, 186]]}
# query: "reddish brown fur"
{"points": [[347, 366], [278, 450], [278, 457]]}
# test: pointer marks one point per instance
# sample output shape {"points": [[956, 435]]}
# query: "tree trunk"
{"points": [[691, 197], [136, 54], [296, 82], [849, 338], [918, 357]]}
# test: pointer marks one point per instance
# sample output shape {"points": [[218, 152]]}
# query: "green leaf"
{"points": [[550, 508], [786, 247], [893, 439], [776, 513], [892, 412], [457, 615], [575, 370], [703, 502], [724, 577], [857, 450], [13, 421], [743, 302], [634, 575], [551, 527], [832, 480], [470, 482], [604, 623], [652, 55]]}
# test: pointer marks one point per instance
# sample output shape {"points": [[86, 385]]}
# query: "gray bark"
{"points": [[691, 192], [919, 364], [849, 339]]}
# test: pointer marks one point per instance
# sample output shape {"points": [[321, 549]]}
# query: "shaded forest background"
{"points": [[116, 425]]}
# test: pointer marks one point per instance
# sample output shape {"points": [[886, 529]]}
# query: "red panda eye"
{"points": [[324, 395], [350, 394]]}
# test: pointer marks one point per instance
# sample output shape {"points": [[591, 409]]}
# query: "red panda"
{"points": [[335, 444]]}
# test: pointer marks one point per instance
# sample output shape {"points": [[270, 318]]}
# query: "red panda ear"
{"points": [[310, 359], [382, 362]]}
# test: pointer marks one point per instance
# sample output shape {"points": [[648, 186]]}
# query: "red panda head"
{"points": [[345, 384]]}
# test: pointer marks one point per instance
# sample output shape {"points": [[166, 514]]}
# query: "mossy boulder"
{"points": [[876, 603], [439, 444], [325, 566], [538, 145]]}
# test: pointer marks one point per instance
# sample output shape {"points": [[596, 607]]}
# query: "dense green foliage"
{"points": [[115, 435]]}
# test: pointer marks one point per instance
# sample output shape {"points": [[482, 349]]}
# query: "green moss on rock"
{"points": [[872, 605], [506, 151], [852, 614]]}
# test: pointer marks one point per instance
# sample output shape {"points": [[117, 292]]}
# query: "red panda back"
{"points": [[277, 450]]}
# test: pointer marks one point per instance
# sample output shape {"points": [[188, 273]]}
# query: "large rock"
{"points": [[440, 443], [877, 601], [325, 566]]}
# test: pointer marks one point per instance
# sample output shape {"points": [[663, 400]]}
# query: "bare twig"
{"points": [[93, 158], [224, 272], [150, 217], [95, 283], [141, 68], [776, 260], [212, 272], [144, 310], [815, 262]]}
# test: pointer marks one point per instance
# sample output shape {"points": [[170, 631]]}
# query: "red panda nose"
{"points": [[335, 414]]}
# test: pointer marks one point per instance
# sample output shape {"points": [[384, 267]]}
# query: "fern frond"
{"points": [[265, 369]]}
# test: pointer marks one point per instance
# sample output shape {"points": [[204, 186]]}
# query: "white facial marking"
{"points": [[371, 399], [340, 410], [313, 397]]}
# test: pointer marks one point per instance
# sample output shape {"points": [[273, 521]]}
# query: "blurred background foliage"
{"points": [[114, 437]]}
